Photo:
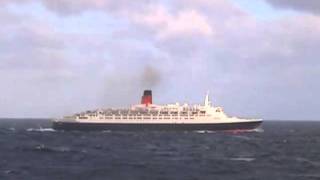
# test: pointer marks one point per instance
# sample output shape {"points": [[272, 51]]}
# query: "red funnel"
{"points": [[147, 97]]}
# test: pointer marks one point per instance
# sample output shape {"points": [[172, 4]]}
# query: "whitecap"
{"points": [[106, 131], [247, 159], [204, 131], [259, 130], [40, 129]]}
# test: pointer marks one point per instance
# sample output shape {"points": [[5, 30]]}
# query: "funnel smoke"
{"points": [[150, 77]]}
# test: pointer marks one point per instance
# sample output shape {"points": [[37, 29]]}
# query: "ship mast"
{"points": [[207, 102]]}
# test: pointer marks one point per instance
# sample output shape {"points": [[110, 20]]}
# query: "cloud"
{"points": [[311, 6], [180, 50], [65, 7], [29, 44], [167, 25]]}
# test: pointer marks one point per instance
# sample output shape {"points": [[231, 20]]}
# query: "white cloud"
{"points": [[186, 22]]}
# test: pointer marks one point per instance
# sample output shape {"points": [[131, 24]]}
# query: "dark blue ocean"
{"points": [[283, 150]]}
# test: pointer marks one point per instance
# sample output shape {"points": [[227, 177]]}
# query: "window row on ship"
{"points": [[146, 114], [142, 111], [143, 117]]}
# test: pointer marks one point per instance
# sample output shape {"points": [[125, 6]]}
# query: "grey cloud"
{"points": [[26, 47], [250, 63], [65, 7], [312, 6], [253, 68]]}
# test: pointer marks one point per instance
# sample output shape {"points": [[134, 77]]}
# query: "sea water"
{"points": [[30, 149]]}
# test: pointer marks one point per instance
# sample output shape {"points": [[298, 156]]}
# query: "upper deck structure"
{"points": [[172, 116]]}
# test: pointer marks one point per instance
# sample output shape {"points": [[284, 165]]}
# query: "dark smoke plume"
{"points": [[150, 77], [121, 89]]}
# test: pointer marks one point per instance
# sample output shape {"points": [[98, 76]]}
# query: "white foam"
{"points": [[260, 130], [204, 131], [41, 129], [106, 131], [247, 159]]}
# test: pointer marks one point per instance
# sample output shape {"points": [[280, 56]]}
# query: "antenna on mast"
{"points": [[207, 101]]}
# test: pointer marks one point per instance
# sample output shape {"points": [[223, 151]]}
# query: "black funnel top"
{"points": [[147, 93]]}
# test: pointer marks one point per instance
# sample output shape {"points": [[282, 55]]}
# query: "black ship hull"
{"points": [[64, 125]]}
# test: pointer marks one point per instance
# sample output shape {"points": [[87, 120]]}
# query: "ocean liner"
{"points": [[149, 116]]}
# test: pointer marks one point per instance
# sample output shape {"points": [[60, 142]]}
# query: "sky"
{"points": [[257, 58]]}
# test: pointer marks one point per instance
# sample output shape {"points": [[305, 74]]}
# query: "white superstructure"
{"points": [[146, 113]]}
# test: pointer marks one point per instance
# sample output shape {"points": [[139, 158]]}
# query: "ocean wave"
{"points": [[11, 171], [309, 176], [106, 131], [41, 129], [242, 137], [259, 130], [305, 160], [247, 159], [204, 132], [49, 149]]}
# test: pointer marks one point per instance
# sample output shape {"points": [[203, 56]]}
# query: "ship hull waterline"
{"points": [[230, 126]]}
